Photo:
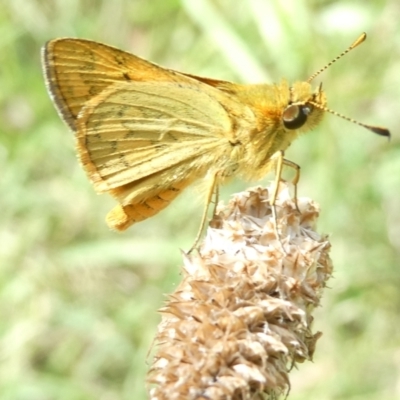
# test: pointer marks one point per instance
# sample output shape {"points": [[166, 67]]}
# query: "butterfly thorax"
{"points": [[281, 112]]}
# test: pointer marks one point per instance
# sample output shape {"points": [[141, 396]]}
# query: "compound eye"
{"points": [[295, 116]]}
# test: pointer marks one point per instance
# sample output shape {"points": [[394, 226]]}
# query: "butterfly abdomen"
{"points": [[122, 217]]}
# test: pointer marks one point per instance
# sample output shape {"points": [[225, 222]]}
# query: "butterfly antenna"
{"points": [[361, 39], [376, 129]]}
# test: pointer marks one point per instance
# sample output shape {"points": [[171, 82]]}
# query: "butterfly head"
{"points": [[305, 108]]}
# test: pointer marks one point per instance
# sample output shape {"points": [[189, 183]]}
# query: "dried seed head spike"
{"points": [[242, 316]]}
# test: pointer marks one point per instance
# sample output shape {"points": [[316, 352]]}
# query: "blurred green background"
{"points": [[78, 302]]}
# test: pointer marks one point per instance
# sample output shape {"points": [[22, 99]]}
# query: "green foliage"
{"points": [[78, 302]]}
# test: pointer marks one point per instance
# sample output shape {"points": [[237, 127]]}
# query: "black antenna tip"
{"points": [[380, 131]]}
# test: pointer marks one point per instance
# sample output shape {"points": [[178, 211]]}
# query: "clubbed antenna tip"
{"points": [[379, 131]]}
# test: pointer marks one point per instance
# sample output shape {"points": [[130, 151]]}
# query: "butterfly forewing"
{"points": [[77, 70]]}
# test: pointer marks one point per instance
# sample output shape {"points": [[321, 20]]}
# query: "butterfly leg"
{"points": [[216, 198], [278, 175], [213, 187], [280, 162], [295, 180]]}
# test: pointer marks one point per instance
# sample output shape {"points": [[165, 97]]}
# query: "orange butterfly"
{"points": [[144, 132]]}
